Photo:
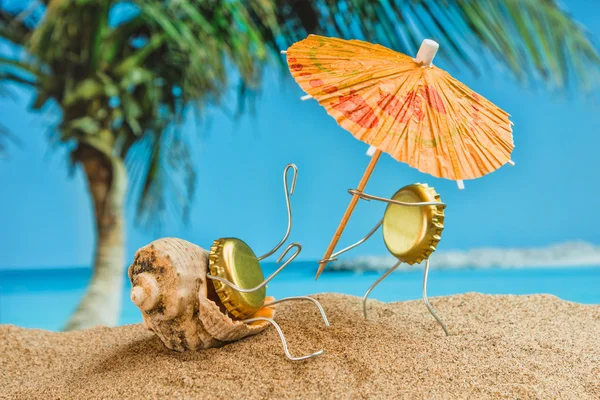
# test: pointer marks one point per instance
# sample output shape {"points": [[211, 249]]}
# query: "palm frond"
{"points": [[127, 83], [10, 77], [23, 66], [191, 46], [162, 167], [14, 28], [537, 40], [7, 137]]}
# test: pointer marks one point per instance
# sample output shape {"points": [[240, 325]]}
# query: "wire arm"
{"points": [[288, 192], [361, 241], [264, 283], [368, 197]]}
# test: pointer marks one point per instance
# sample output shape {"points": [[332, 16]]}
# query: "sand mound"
{"points": [[502, 346]]}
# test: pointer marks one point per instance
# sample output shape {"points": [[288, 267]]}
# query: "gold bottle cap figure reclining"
{"points": [[193, 299]]}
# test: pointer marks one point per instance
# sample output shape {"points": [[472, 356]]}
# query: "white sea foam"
{"points": [[560, 255]]}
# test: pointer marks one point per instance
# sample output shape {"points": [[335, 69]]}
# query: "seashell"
{"points": [[223, 328], [169, 286]]}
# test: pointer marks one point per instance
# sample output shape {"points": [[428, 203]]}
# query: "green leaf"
{"points": [[10, 77], [135, 126], [136, 76], [86, 90], [40, 99], [12, 29], [86, 125]]}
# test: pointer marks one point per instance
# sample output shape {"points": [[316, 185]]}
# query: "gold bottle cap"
{"points": [[411, 234], [232, 259]]}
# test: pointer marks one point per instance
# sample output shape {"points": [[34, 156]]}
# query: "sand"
{"points": [[501, 347]]}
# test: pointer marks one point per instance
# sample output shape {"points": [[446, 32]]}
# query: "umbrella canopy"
{"points": [[405, 107], [417, 113]]}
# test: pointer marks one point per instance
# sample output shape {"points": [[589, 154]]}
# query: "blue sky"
{"points": [[550, 196]]}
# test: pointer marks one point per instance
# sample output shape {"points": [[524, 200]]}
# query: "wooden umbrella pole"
{"points": [[349, 210]]}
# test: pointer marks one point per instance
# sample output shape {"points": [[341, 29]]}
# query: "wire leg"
{"points": [[364, 300], [283, 341], [319, 306], [426, 301]]}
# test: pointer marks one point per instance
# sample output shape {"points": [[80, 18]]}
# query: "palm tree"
{"points": [[121, 76]]}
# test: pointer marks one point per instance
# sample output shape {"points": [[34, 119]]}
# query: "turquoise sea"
{"points": [[44, 298]]}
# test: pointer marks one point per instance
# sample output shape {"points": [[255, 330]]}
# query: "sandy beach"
{"points": [[501, 347]]}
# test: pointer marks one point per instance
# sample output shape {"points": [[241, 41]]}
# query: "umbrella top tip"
{"points": [[427, 52], [430, 43]]}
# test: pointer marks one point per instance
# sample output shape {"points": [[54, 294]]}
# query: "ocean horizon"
{"points": [[44, 298]]}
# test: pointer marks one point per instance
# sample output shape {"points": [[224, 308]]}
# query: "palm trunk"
{"points": [[107, 180]]}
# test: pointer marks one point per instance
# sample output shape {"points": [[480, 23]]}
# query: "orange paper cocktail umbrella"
{"points": [[403, 106]]}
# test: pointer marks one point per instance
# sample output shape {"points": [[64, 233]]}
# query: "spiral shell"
{"points": [[169, 286]]}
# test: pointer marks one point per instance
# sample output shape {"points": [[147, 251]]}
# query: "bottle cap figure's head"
{"points": [[233, 260], [411, 234]]}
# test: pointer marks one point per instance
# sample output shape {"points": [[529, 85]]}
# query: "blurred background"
{"points": [[124, 122]]}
